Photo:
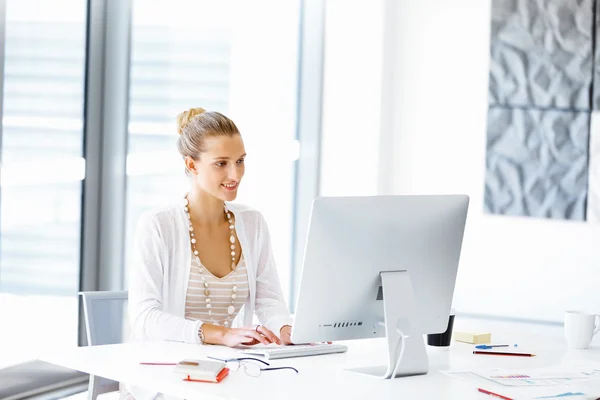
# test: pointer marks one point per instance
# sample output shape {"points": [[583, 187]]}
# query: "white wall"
{"points": [[433, 141], [352, 76]]}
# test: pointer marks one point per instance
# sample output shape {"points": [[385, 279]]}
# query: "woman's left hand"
{"points": [[285, 333], [268, 334]]}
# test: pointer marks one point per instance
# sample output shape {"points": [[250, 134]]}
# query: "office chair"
{"points": [[106, 323]]}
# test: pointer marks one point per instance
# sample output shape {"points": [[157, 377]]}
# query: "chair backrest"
{"points": [[105, 315], [106, 322]]}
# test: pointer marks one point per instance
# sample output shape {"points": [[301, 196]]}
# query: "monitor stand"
{"points": [[400, 313]]}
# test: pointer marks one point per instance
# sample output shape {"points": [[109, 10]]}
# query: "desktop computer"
{"points": [[381, 266]]}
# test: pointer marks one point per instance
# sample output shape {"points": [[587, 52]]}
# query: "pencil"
{"points": [[499, 353], [493, 394]]}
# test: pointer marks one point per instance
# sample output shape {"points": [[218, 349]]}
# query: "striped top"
{"points": [[220, 291]]}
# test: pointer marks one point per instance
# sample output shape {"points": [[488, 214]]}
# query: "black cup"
{"points": [[442, 339]]}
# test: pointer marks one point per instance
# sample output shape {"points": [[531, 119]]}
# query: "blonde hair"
{"points": [[196, 124]]}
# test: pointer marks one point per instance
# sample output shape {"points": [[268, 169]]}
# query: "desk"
{"points": [[324, 376]]}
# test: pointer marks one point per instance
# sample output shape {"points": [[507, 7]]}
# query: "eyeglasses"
{"points": [[251, 368]]}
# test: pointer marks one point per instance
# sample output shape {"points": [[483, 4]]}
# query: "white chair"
{"points": [[105, 322]]}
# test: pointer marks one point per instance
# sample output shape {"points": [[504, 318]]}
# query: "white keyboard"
{"points": [[272, 352]]}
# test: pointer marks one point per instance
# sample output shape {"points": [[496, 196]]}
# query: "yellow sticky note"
{"points": [[472, 337]]}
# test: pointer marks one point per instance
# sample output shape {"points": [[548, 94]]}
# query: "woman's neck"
{"points": [[206, 210]]}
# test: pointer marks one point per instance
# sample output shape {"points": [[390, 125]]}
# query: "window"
{"points": [[244, 64], [42, 170], [230, 56]]}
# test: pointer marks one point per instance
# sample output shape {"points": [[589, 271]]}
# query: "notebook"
{"points": [[202, 370]]}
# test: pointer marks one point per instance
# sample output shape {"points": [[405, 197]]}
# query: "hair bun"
{"points": [[185, 117]]}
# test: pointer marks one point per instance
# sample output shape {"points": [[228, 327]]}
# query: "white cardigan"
{"points": [[161, 268]]}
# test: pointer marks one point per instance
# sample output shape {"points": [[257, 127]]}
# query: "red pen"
{"points": [[498, 353], [493, 394]]}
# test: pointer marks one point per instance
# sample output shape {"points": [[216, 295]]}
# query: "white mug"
{"points": [[580, 327]]}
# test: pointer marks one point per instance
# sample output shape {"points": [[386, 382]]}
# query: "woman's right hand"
{"points": [[247, 336], [232, 337], [235, 336]]}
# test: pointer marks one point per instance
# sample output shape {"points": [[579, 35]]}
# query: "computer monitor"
{"points": [[381, 266]]}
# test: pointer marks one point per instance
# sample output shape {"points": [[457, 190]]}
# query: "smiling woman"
{"points": [[218, 139], [218, 253]]}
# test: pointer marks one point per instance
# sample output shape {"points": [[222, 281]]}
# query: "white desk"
{"points": [[324, 376]]}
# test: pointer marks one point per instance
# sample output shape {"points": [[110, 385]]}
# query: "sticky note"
{"points": [[472, 337]]}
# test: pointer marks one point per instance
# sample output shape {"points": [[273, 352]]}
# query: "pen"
{"points": [[489, 346], [498, 353], [493, 394]]}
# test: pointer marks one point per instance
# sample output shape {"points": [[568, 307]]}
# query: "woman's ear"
{"points": [[190, 164]]}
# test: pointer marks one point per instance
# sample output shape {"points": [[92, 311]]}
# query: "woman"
{"points": [[202, 268]]}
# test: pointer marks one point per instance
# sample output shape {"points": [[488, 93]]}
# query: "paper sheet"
{"points": [[569, 382], [538, 393], [546, 376]]}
